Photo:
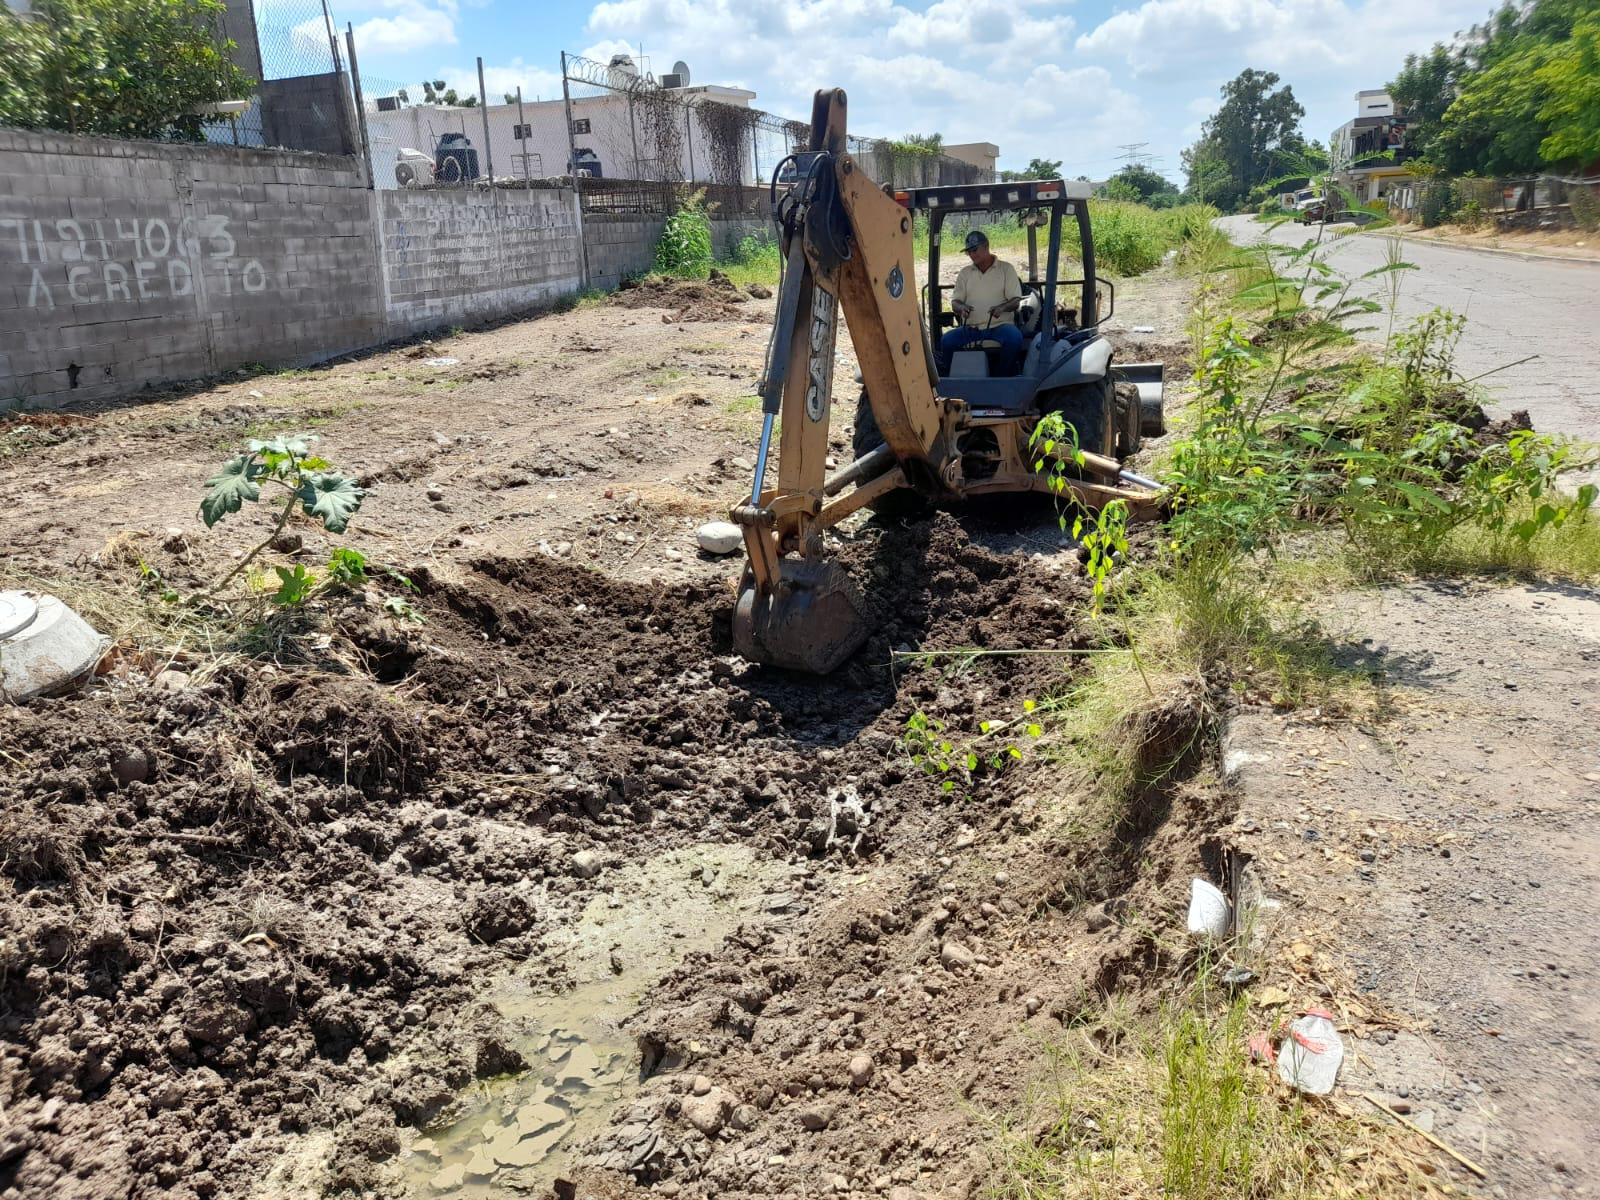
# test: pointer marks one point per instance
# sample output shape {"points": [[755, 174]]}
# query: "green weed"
{"points": [[685, 246], [1172, 1106]]}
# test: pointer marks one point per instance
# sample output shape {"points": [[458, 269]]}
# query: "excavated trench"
{"points": [[436, 920]]}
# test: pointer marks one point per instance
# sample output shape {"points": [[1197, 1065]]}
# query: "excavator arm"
{"points": [[846, 245]]}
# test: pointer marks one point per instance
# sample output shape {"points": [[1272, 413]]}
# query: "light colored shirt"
{"points": [[985, 289]]}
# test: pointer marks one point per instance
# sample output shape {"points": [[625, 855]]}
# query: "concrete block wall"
{"points": [[622, 245], [619, 246], [125, 264], [129, 263], [727, 233], [463, 255]]}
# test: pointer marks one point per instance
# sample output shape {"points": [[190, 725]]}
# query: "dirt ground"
{"points": [[1442, 862], [547, 883]]}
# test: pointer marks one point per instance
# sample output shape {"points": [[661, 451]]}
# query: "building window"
{"points": [[522, 132], [580, 125]]}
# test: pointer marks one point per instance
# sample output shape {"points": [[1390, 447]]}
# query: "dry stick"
{"points": [[1415, 1128], [914, 654], [1496, 370]]}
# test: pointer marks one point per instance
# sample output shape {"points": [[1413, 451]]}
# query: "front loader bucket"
{"points": [[1150, 379], [812, 621]]}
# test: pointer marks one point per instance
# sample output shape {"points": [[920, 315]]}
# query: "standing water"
{"points": [[519, 1131]]}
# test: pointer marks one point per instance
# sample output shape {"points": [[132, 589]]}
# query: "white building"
{"points": [[612, 135], [1379, 127], [983, 155]]}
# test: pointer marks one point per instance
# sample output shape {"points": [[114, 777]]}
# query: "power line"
{"points": [[1132, 153]]}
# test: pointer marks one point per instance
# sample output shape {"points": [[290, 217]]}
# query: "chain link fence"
{"points": [[287, 51], [1536, 202], [628, 142], [637, 143], [303, 99]]}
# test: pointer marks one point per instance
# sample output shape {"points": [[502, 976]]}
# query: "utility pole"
{"points": [[1132, 154], [488, 146], [572, 167], [522, 130]]}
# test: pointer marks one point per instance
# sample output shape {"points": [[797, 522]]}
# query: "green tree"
{"points": [[1138, 182], [1487, 103], [435, 92], [1424, 89], [1571, 79], [123, 68], [1037, 168], [1207, 173], [926, 145], [1255, 134], [1493, 126]]}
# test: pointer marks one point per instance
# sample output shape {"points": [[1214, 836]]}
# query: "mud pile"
{"points": [[230, 907], [713, 299]]}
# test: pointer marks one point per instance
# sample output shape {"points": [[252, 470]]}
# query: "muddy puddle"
{"points": [[519, 1131]]}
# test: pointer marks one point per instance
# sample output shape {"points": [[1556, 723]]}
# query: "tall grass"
{"points": [[1172, 1107], [1129, 239], [753, 260]]}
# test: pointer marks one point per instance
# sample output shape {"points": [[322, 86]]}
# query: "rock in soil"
{"points": [[719, 537]]}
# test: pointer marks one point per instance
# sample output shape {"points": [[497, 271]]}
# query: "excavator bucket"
{"points": [[812, 621]]}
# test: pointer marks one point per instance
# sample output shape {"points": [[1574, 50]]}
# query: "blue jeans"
{"points": [[962, 336]]}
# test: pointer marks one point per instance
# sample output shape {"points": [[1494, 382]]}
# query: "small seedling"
{"points": [[1105, 537], [1106, 540], [294, 586], [932, 752], [347, 567], [1052, 431], [151, 579], [287, 462], [400, 607]]}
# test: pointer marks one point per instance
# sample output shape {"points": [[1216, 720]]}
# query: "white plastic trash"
{"points": [[1311, 1053], [44, 646], [1210, 914]]}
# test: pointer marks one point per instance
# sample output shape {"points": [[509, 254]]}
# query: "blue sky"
{"points": [[1062, 79]]}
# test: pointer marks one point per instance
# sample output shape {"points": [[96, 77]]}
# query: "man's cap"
{"points": [[976, 240]]}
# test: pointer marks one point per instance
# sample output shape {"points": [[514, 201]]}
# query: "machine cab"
{"points": [[1058, 317]]}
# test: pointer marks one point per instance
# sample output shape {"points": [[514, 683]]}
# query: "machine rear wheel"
{"points": [[1090, 409], [902, 502], [1130, 422]]}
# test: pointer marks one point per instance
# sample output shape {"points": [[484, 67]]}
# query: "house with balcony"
{"points": [[1369, 151]]}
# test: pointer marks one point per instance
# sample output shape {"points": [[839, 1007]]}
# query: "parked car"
{"points": [[1310, 211]]}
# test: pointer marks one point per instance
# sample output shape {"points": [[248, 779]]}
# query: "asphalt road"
{"points": [[1514, 307]]}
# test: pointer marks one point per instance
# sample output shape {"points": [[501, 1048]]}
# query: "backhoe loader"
{"points": [[847, 245]]}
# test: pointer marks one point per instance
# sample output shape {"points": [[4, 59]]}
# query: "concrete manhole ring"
{"points": [[44, 646]]}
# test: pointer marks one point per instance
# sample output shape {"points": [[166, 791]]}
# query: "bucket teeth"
{"points": [[812, 622]]}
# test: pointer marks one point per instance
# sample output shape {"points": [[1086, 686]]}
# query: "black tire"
{"points": [[1089, 409], [900, 503], [1129, 420], [1152, 417]]}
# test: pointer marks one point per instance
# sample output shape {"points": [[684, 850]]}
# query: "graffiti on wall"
{"points": [[97, 261]]}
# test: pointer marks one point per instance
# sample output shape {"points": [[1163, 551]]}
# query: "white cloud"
{"points": [[402, 34], [500, 80], [999, 71], [1293, 37], [1324, 49]]}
